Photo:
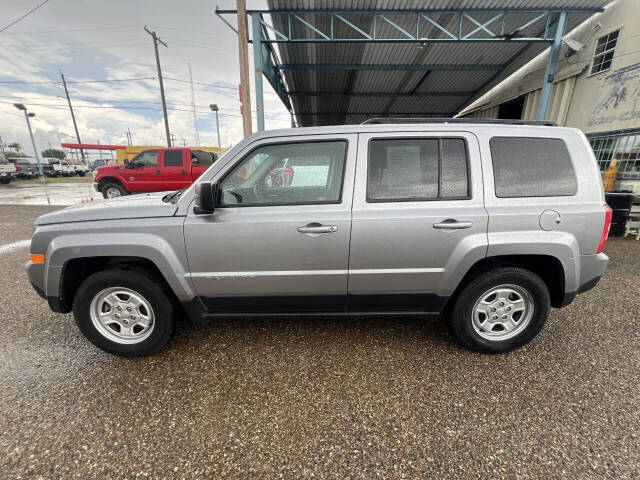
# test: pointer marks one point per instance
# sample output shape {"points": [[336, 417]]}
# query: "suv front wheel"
{"points": [[125, 312], [113, 190], [500, 310]]}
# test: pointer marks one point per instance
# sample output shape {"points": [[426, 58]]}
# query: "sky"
{"points": [[92, 40]]}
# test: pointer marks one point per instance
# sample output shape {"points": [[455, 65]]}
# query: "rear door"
{"points": [[174, 169], [418, 219]]}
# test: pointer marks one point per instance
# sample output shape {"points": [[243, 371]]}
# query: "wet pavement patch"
{"points": [[17, 193]]}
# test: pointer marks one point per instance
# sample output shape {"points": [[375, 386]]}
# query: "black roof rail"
{"points": [[540, 123]]}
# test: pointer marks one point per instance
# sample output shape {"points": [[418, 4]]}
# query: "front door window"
{"points": [[287, 174]]}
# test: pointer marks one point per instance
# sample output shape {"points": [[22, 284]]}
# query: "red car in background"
{"points": [[153, 170]]}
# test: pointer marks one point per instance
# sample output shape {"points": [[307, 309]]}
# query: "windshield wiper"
{"points": [[173, 197]]}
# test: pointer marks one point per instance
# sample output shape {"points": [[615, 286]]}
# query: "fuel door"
{"points": [[549, 220]]}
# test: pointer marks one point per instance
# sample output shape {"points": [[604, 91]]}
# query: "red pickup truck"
{"points": [[153, 170]]}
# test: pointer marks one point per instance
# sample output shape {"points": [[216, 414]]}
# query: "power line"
{"points": [[217, 34], [214, 85], [24, 16], [58, 106], [113, 27], [113, 107], [77, 81], [201, 108]]}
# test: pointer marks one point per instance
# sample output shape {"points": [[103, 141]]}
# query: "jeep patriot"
{"points": [[489, 223]]}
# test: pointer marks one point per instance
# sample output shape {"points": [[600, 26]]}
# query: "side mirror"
{"points": [[206, 198]]}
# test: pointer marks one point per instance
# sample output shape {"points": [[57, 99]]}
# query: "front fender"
{"points": [[144, 245], [112, 174]]}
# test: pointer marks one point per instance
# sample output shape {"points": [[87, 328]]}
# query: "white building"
{"points": [[596, 89]]}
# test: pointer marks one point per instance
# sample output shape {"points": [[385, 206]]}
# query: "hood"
{"points": [[131, 206], [109, 168]]}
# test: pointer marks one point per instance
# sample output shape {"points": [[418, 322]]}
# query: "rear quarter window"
{"points": [[532, 167]]}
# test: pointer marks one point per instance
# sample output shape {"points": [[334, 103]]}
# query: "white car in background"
{"points": [[7, 170], [60, 168], [80, 168]]}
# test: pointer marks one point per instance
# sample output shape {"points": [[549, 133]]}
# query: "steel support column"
{"points": [[257, 66], [552, 68]]}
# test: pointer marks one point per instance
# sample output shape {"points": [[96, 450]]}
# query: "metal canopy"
{"points": [[354, 60]]}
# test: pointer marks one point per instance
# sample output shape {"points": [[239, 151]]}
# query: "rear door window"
{"points": [[173, 158], [417, 169], [532, 167]]}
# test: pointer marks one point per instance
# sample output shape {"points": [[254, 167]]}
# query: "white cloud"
{"points": [[106, 40]]}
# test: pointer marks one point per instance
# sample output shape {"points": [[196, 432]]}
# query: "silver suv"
{"points": [[487, 223]]}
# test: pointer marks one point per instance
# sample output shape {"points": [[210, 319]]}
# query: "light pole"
{"points": [[214, 108], [20, 106]]}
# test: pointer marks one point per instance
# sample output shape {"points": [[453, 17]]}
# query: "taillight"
{"points": [[607, 225], [18, 168]]}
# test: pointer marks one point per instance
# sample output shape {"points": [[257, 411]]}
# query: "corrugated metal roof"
{"points": [[444, 84]]}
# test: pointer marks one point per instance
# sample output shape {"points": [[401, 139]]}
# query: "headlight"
{"points": [[95, 174]]}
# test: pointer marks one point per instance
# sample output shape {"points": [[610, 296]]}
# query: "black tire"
{"points": [[115, 185], [461, 312], [5, 180], [81, 174], [146, 284]]}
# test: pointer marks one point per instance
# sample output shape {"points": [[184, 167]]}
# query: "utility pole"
{"points": [[193, 105], [243, 47], [214, 108], [73, 117], [130, 137], [173, 139], [157, 40]]}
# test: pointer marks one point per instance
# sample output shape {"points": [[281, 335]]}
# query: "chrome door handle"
{"points": [[317, 228], [452, 225]]}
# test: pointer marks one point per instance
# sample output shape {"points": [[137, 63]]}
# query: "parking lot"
{"points": [[321, 397]]}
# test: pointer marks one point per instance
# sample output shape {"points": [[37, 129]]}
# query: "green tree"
{"points": [[54, 153]]}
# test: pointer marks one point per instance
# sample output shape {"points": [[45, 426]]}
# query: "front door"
{"points": [[144, 174], [279, 241], [418, 219]]}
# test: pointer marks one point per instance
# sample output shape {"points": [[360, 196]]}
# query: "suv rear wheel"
{"points": [[125, 312], [500, 310]]}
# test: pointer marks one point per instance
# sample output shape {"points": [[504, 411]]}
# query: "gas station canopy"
{"points": [[353, 60]]}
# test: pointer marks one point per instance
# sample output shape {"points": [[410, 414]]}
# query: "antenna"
{"points": [[193, 105]]}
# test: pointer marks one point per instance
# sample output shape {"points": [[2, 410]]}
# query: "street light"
{"points": [[214, 108], [20, 106]]}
